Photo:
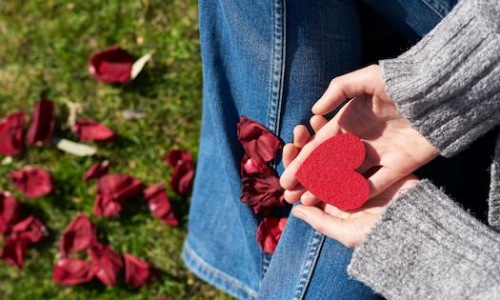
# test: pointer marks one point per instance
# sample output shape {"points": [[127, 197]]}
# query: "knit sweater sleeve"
{"points": [[427, 247], [448, 85]]}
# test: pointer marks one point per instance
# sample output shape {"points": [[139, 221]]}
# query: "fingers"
{"points": [[383, 179], [309, 199], [341, 88], [289, 153], [317, 122], [300, 136], [293, 195]]}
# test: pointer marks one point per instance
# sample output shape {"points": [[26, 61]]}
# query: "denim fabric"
{"points": [[269, 60]]}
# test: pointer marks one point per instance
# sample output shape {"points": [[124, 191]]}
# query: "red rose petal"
{"points": [[119, 187], [13, 251], [11, 134], [107, 262], [111, 65], [31, 230], [269, 233], [33, 182], [89, 130], [97, 170], [105, 206], [9, 211], [251, 166], [42, 123], [159, 205], [258, 142], [70, 271], [183, 171], [262, 192], [137, 271], [79, 235]]}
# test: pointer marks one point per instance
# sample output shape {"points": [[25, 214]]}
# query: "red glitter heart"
{"points": [[329, 172]]}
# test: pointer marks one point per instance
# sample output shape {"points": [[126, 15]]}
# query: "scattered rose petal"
{"points": [[42, 123], [112, 191], [107, 262], [137, 271], [71, 271], [262, 192], [31, 230], [13, 251], [88, 130], [28, 231], [75, 148], [79, 235], [9, 211], [11, 134], [258, 142], [183, 171], [32, 182], [159, 205], [119, 187], [139, 64], [97, 170], [105, 206], [269, 233], [111, 65]]}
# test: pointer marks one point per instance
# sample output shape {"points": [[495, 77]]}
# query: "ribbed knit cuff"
{"points": [[426, 247], [448, 84]]}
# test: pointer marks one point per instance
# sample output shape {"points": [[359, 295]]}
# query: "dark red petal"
{"points": [[137, 271], [11, 134], [79, 235], [262, 192], [89, 130], [13, 251], [258, 142], [159, 205], [32, 182], [119, 187], [269, 233], [105, 206], [70, 271], [251, 166], [177, 156], [97, 170], [31, 230], [107, 262], [42, 123], [183, 171], [111, 65], [9, 211]]}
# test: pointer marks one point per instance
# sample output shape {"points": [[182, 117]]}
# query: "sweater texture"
{"points": [[426, 246]]}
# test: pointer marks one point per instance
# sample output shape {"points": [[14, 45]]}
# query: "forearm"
{"points": [[448, 85], [427, 247]]}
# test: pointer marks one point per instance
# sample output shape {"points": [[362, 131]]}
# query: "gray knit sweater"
{"points": [[426, 246]]}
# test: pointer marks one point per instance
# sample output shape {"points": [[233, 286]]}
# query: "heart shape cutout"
{"points": [[329, 172]]}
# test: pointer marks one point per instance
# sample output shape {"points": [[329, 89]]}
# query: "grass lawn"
{"points": [[44, 48]]}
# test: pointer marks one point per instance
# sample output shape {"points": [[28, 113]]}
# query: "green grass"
{"points": [[44, 48]]}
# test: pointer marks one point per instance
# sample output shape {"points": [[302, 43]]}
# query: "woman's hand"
{"points": [[393, 148], [351, 227]]}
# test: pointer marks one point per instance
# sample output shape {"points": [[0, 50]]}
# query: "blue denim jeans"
{"points": [[270, 60]]}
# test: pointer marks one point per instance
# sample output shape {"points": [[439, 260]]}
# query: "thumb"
{"points": [[360, 82]]}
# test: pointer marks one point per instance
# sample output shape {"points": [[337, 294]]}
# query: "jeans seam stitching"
{"points": [[312, 256], [432, 8], [217, 273]]}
